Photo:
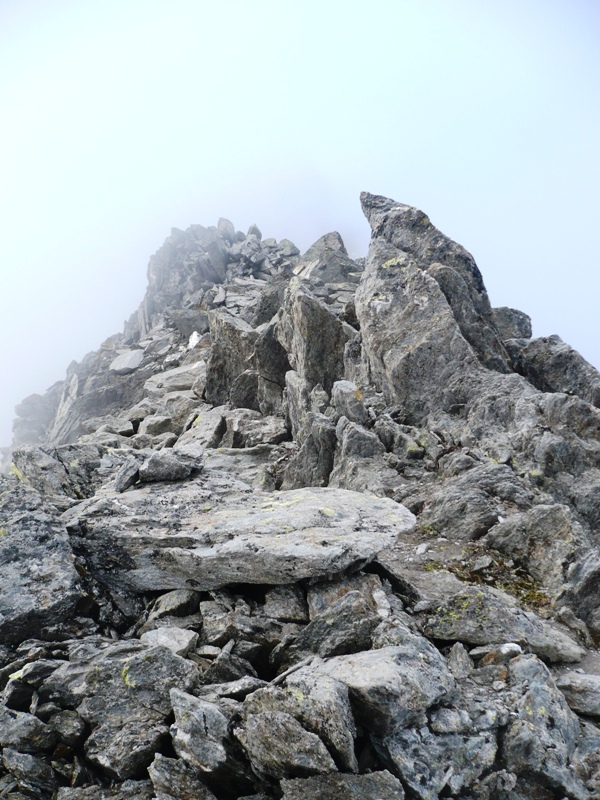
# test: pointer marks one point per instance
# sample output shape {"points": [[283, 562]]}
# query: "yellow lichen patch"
{"points": [[16, 471], [328, 512], [127, 680]]}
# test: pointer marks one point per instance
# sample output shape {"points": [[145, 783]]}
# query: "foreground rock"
{"points": [[270, 539]]}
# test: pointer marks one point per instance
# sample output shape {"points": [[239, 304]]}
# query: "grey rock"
{"points": [[207, 430], [127, 476], [174, 778], [32, 772], [232, 349], [167, 465], [544, 540], [328, 261], [410, 355], [177, 640], [278, 746], [201, 738], [177, 603], [24, 732], [459, 661], [244, 390], [427, 763], [540, 739], [375, 786], [70, 728], [321, 595], [360, 462], [313, 337], [512, 323], [286, 603], [40, 585], [246, 428], [270, 539], [127, 362], [122, 689], [156, 424], [586, 762], [249, 464], [390, 687], [128, 790], [348, 401], [479, 615], [296, 401], [178, 379], [312, 464], [322, 706], [581, 691], [551, 365], [345, 627], [409, 230]]}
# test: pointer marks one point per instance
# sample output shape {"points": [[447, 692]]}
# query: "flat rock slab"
{"points": [[158, 541]]}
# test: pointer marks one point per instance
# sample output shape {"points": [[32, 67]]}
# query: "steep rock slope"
{"points": [[310, 527]]}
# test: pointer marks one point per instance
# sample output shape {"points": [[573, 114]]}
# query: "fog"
{"points": [[123, 119]]}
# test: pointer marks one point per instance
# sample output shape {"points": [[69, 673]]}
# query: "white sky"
{"points": [[123, 118]]}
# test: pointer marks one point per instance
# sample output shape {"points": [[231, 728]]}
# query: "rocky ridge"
{"points": [[311, 527]]}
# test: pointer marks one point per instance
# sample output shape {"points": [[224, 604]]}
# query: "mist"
{"points": [[125, 119]]}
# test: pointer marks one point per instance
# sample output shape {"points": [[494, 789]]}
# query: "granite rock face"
{"points": [[310, 527]]}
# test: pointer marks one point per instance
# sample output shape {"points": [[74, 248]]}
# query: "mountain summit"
{"points": [[311, 528]]}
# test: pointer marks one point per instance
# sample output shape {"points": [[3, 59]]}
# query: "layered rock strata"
{"points": [[311, 527]]}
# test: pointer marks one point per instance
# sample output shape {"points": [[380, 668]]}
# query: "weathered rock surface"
{"points": [[309, 527]]}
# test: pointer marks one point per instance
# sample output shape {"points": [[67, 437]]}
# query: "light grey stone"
{"points": [[127, 362]]}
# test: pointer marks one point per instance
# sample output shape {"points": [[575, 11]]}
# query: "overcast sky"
{"points": [[123, 118]]}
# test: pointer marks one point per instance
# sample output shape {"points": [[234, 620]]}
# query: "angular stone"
{"points": [[122, 690], [177, 640], [32, 772], [312, 464], [24, 732], [479, 615], [168, 465], [391, 686], [581, 691], [313, 337], [127, 362], [178, 379], [375, 786], [348, 401], [39, 584], [512, 323], [540, 738], [232, 348], [278, 746], [286, 603], [156, 424], [551, 365], [410, 354], [427, 763], [410, 231], [321, 704], [344, 627], [200, 736], [173, 779]]}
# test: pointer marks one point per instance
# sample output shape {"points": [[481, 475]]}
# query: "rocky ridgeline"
{"points": [[311, 528]]}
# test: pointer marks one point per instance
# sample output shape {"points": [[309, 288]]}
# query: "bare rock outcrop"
{"points": [[310, 527]]}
